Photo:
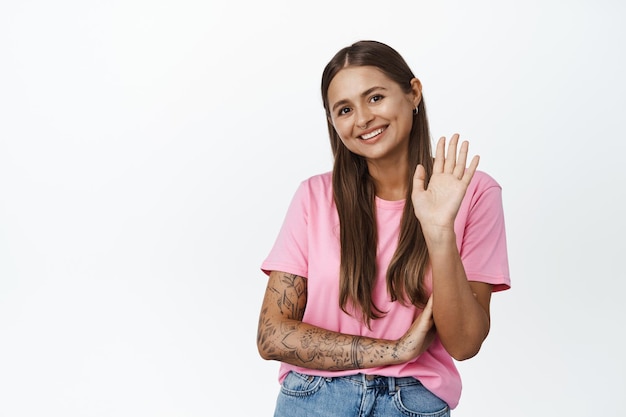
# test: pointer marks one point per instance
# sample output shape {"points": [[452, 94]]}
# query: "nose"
{"points": [[364, 117]]}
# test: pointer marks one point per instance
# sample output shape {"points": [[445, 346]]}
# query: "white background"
{"points": [[149, 150]]}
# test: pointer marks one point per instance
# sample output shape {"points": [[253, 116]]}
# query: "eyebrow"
{"points": [[363, 94]]}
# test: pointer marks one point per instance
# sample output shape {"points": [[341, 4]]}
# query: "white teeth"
{"points": [[372, 134]]}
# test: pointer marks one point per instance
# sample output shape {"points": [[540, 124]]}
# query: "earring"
{"points": [[416, 110]]}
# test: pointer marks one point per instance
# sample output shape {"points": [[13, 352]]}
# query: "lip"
{"points": [[373, 139]]}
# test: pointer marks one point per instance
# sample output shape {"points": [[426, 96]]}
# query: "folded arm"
{"points": [[282, 335]]}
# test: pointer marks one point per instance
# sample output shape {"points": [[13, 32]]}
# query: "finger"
{"points": [[425, 318], [451, 156], [428, 309], [459, 169], [419, 178], [469, 172], [439, 155]]}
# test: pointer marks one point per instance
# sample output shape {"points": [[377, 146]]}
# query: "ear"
{"points": [[416, 86]]}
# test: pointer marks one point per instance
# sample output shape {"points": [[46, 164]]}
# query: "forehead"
{"points": [[349, 83]]}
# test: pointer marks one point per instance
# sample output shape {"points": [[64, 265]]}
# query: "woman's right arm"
{"points": [[282, 335]]}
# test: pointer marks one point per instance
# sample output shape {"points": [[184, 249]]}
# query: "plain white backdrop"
{"points": [[149, 150]]}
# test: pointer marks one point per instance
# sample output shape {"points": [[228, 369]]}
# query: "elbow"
{"points": [[260, 348], [264, 354], [464, 349], [463, 354], [264, 346]]}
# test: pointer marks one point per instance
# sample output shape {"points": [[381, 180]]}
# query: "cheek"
{"points": [[406, 119], [344, 134], [342, 130]]}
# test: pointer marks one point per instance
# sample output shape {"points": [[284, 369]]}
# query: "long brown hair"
{"points": [[354, 196]]}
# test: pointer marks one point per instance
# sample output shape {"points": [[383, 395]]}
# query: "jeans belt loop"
{"points": [[392, 385]]}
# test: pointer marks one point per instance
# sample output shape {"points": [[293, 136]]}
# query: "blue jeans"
{"points": [[356, 396]]}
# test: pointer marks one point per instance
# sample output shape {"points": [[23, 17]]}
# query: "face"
{"points": [[371, 114]]}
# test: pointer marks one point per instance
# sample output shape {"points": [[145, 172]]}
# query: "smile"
{"points": [[372, 133]]}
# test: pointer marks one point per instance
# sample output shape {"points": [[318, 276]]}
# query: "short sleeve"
{"points": [[483, 247], [290, 250]]}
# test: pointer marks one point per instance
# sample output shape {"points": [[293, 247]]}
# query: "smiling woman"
{"points": [[373, 116], [383, 271]]}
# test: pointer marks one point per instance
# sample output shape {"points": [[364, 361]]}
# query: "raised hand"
{"points": [[437, 204]]}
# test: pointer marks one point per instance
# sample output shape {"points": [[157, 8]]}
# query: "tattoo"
{"points": [[290, 297], [293, 299], [355, 352], [294, 342]]}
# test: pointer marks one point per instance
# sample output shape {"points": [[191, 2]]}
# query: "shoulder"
{"points": [[315, 190], [483, 190], [316, 186], [482, 181], [319, 181]]}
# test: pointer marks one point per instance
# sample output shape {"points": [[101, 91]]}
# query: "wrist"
{"points": [[438, 238]]}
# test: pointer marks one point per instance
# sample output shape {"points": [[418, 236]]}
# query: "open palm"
{"points": [[437, 204]]}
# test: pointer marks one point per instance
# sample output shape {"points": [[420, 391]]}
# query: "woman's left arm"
{"points": [[460, 307]]}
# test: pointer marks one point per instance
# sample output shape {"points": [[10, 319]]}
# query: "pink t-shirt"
{"points": [[308, 245]]}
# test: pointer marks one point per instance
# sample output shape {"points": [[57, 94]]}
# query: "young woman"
{"points": [[383, 270]]}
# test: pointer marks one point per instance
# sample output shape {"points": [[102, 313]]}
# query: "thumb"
{"points": [[419, 177]]}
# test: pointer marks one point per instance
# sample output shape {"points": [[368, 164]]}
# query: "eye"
{"points": [[376, 98], [343, 111]]}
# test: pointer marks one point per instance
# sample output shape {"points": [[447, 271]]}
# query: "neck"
{"points": [[390, 179]]}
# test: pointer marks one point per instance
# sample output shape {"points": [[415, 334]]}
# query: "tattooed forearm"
{"points": [[316, 348], [355, 352], [313, 347], [283, 336], [303, 345]]}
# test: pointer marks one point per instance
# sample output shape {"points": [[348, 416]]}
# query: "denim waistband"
{"points": [[371, 381]]}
